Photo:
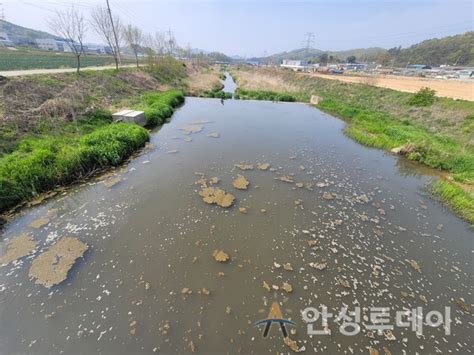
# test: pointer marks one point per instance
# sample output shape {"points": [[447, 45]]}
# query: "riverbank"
{"points": [[438, 135], [58, 129]]}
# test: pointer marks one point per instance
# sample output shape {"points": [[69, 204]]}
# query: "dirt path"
{"points": [[455, 89], [11, 73]]}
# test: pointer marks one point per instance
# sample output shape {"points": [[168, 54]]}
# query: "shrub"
{"points": [[424, 97]]}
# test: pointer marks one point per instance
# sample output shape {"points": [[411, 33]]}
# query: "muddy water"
{"points": [[150, 235]]}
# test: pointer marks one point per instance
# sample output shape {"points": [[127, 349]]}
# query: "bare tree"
{"points": [[70, 25], [170, 43], [134, 38], [104, 27], [159, 43]]}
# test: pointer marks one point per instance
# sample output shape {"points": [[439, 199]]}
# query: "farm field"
{"points": [[24, 59], [454, 89]]}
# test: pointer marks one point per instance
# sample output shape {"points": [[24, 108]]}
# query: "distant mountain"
{"points": [[361, 54], [452, 50], [22, 35]]}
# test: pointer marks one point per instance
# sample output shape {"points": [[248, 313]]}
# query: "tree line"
{"points": [[72, 26]]}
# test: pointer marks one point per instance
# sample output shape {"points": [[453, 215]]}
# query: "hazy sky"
{"points": [[252, 28]]}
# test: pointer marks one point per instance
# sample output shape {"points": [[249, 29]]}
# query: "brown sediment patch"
{"points": [[319, 266], [285, 178], [328, 196], [192, 128], [241, 183], [220, 256], [40, 222], [17, 248], [244, 166], [215, 195], [263, 166], [287, 287], [51, 267], [414, 264], [293, 345], [205, 182]]}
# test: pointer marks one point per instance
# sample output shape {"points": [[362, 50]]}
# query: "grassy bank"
{"points": [[216, 93], [434, 131], [40, 164], [458, 199], [158, 106], [243, 94], [382, 130], [56, 129], [76, 149]]}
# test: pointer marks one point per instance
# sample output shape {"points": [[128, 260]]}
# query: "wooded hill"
{"points": [[452, 50]]}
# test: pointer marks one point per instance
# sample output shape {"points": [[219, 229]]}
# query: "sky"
{"points": [[256, 28]]}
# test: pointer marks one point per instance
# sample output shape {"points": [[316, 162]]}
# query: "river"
{"points": [[149, 281]]}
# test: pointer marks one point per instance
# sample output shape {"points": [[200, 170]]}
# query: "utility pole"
{"points": [[115, 33]]}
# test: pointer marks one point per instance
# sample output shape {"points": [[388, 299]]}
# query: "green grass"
{"points": [[40, 164], [216, 93], [91, 142], [158, 106], [244, 94], [34, 59], [461, 201], [381, 130]]}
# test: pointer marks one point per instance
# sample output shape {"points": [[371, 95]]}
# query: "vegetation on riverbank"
{"points": [[459, 200], [433, 131], [79, 148], [57, 129], [41, 163], [158, 106], [216, 93], [244, 94], [381, 130]]}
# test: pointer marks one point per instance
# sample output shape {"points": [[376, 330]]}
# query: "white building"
{"points": [[294, 64], [48, 44]]}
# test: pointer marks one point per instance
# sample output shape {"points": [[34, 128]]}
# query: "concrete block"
{"points": [[137, 117]]}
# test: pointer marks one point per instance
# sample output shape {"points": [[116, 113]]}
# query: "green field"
{"points": [[23, 59]]}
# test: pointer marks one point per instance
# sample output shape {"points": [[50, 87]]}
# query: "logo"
{"points": [[275, 316]]}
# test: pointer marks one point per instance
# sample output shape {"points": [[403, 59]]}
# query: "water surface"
{"points": [[151, 235]]}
